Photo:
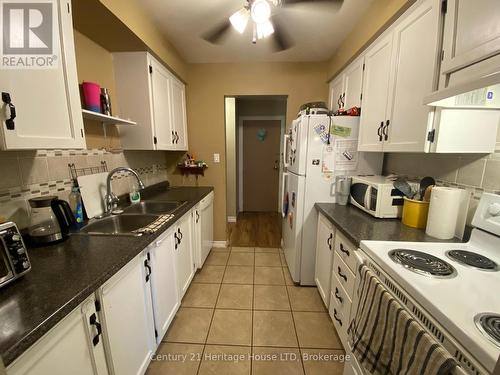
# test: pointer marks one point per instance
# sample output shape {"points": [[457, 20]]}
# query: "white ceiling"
{"points": [[316, 29]]}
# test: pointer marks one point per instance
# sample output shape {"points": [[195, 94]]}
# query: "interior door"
{"points": [[47, 100], [353, 82], [165, 294], [412, 78], [261, 156], [375, 95], [336, 93], [162, 118], [178, 108]]}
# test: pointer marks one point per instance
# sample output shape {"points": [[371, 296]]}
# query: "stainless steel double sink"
{"points": [[133, 218]]}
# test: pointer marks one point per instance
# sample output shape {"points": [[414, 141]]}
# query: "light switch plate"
{"points": [[216, 158]]}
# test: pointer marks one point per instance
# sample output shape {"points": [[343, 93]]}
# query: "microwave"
{"points": [[377, 196], [14, 261]]}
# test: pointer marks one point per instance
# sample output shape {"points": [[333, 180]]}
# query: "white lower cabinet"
{"points": [[324, 257], [127, 318], [74, 346], [184, 265], [164, 288]]}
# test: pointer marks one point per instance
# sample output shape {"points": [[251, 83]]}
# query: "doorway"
{"points": [[255, 126]]}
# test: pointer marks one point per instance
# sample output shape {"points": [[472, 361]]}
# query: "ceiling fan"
{"points": [[264, 20]]}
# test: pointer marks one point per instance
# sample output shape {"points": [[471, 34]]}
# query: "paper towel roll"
{"points": [[443, 212]]}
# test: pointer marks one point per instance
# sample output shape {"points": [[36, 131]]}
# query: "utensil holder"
{"points": [[415, 213]]}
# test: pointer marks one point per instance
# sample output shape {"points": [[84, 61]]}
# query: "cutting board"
{"points": [[93, 190]]}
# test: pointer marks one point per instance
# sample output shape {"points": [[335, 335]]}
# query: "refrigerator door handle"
{"points": [[284, 175], [285, 150]]}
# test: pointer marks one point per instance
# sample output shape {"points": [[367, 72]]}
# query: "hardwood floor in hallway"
{"points": [[262, 229]]}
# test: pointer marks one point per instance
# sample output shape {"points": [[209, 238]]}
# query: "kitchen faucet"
{"points": [[111, 200]]}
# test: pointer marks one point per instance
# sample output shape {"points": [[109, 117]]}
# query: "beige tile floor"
{"points": [[243, 315]]}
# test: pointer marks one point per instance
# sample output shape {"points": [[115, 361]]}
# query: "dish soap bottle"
{"points": [[75, 202], [135, 195]]}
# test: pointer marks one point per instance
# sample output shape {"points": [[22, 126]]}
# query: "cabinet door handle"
{"points": [[93, 321], [180, 234], [337, 295], [385, 130], [339, 271], [148, 269], [173, 137], [379, 131], [197, 216], [329, 241], [176, 137], [336, 318], [176, 241], [9, 123], [346, 252]]}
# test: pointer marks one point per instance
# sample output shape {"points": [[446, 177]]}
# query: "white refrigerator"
{"points": [[316, 149]]}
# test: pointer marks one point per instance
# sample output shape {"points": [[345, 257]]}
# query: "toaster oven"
{"points": [[14, 261]]}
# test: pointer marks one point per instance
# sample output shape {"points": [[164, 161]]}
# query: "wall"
{"points": [[377, 18], [231, 160], [133, 14], [28, 174], [210, 83], [474, 172]]}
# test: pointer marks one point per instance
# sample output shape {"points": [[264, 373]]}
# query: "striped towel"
{"points": [[387, 340]]}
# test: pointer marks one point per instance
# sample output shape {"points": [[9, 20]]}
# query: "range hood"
{"points": [[480, 93]]}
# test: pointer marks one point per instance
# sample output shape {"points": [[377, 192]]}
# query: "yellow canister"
{"points": [[415, 213]]}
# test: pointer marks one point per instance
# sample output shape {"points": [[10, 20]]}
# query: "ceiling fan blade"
{"points": [[281, 39], [217, 33]]}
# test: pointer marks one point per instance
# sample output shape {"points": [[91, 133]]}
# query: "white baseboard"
{"points": [[231, 219], [219, 244]]}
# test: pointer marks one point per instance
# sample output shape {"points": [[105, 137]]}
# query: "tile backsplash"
{"points": [[28, 174], [474, 172]]}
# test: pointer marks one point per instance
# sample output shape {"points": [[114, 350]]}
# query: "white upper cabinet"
{"points": [[46, 99], [345, 90], [179, 120], [400, 70], [336, 93], [155, 98], [375, 95], [471, 33], [413, 76], [353, 83]]}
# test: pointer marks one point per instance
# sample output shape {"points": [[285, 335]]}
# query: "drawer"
{"points": [[346, 249], [340, 321], [343, 274]]}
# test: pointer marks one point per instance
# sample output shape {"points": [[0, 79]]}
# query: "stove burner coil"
{"points": [[489, 325], [472, 259], [422, 263]]}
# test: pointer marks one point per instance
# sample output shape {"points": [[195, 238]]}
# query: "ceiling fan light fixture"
{"points": [[239, 20], [264, 29], [260, 11]]}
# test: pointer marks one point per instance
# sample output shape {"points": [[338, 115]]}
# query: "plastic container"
{"points": [[92, 96], [415, 213], [75, 202]]}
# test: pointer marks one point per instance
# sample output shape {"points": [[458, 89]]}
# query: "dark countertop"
{"points": [[63, 275], [357, 225]]}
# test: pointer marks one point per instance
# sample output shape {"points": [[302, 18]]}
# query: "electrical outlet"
{"points": [[216, 158]]}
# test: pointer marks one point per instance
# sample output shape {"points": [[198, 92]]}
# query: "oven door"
{"points": [[6, 272]]}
